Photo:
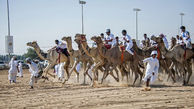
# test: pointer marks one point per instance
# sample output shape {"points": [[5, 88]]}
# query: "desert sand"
{"points": [[110, 95]]}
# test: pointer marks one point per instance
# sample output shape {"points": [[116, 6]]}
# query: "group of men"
{"points": [[109, 42], [17, 71], [183, 39]]}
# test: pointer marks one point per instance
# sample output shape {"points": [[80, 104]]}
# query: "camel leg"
{"points": [[87, 71], [66, 67], [117, 73], [136, 76], [94, 69], [84, 67], [121, 70], [73, 68], [126, 73], [105, 74], [141, 75], [168, 71], [189, 68], [184, 78], [49, 66], [137, 71], [116, 78], [77, 74]]}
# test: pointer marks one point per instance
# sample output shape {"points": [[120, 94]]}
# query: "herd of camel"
{"points": [[175, 62]]}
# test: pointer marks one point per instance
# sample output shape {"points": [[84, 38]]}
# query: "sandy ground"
{"points": [[76, 96]]}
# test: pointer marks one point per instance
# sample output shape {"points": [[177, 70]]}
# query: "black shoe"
{"points": [[31, 87]]}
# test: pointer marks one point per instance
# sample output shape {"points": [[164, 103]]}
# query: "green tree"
{"points": [[31, 54]]}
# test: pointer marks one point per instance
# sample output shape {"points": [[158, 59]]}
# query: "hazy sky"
{"points": [[47, 20]]}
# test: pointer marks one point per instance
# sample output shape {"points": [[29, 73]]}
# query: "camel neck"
{"points": [[69, 47], [38, 51], [100, 49], [166, 53], [86, 48]]}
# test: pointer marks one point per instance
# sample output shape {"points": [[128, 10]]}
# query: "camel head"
{"points": [[77, 41], [80, 37], [134, 43], [33, 44], [67, 38], [97, 39], [157, 39], [173, 40]]}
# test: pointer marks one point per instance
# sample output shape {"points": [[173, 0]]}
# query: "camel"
{"points": [[51, 56], [164, 63], [177, 55], [98, 59], [114, 56], [173, 42], [76, 56]]}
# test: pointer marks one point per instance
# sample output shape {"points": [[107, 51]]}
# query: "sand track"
{"points": [[76, 96]]}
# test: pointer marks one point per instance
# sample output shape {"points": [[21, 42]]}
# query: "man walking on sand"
{"points": [[13, 70], [33, 68], [151, 69]]}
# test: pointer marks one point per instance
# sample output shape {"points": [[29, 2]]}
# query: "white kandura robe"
{"points": [[78, 67], [61, 70], [20, 73], [185, 35], [57, 70], [110, 37], [165, 42], [152, 66], [13, 70], [33, 68], [128, 44]]}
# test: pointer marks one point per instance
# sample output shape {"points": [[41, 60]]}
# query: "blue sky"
{"points": [[47, 20]]}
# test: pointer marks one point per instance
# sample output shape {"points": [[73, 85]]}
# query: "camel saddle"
{"points": [[122, 49], [108, 46]]}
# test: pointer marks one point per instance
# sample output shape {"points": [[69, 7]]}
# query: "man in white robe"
{"points": [[127, 42], [61, 47], [20, 73], [109, 39], [116, 42], [186, 37], [56, 70], [61, 71], [13, 70], [33, 69], [151, 69]]}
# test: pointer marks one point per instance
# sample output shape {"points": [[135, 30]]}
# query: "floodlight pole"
{"points": [[82, 3], [136, 12], [182, 14], [8, 19]]}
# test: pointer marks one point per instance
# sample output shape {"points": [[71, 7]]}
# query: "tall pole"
{"points": [[82, 19], [136, 25], [8, 20], [182, 14], [82, 6], [8, 25], [136, 12]]}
